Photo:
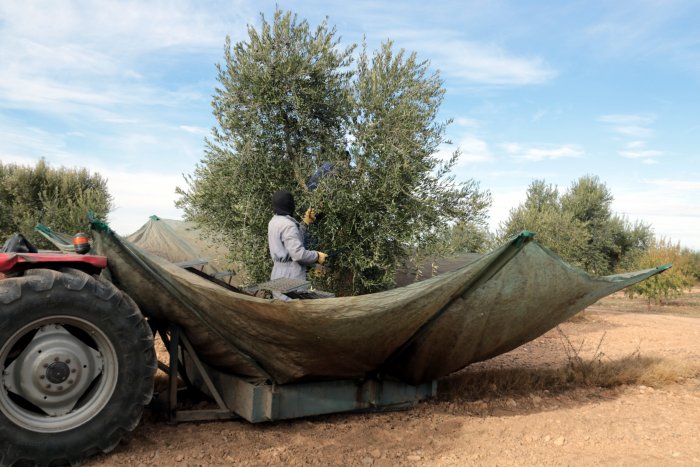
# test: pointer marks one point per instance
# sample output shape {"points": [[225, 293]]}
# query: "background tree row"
{"points": [[59, 198], [580, 226]]}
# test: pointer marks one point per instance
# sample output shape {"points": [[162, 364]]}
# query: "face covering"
{"points": [[283, 203]]}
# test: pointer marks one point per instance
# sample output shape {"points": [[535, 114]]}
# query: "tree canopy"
{"points": [[671, 283], [580, 226], [291, 103], [59, 198]]}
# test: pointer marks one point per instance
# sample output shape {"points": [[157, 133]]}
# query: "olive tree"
{"points": [[281, 105], [671, 283], [613, 243], [394, 197], [693, 262], [59, 198], [557, 229], [292, 101], [580, 226]]}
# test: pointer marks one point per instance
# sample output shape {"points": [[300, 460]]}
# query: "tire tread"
{"points": [[44, 282]]}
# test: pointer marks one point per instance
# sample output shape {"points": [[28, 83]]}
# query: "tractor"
{"points": [[76, 356]]}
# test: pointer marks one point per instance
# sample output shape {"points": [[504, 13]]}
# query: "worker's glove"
{"points": [[309, 216], [317, 272], [322, 257]]}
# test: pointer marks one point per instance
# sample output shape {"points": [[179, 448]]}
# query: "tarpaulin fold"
{"points": [[416, 333]]}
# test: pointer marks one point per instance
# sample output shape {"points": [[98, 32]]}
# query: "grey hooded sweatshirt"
{"points": [[285, 236]]}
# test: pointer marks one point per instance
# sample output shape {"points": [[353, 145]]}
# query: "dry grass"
{"points": [[630, 370], [597, 371], [687, 304]]}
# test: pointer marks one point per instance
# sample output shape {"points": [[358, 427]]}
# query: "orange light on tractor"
{"points": [[81, 243]]}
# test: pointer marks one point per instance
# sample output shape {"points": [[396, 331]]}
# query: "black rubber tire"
{"points": [[40, 294]]}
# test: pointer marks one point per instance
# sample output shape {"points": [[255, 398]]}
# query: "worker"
{"points": [[285, 236]]}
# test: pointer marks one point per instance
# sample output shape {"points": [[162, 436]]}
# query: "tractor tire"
{"points": [[77, 364]]}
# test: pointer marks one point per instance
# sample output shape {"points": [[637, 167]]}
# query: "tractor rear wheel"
{"points": [[76, 366]]}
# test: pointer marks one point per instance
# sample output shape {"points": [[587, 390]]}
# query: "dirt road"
{"points": [[652, 420]]}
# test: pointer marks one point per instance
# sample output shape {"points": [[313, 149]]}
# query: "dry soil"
{"points": [[644, 422]]}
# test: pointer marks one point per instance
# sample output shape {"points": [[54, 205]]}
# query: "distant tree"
{"points": [[541, 197], [588, 201], [468, 237], [671, 283], [693, 263], [579, 225], [631, 240], [557, 229], [612, 241], [289, 102], [58, 198]]}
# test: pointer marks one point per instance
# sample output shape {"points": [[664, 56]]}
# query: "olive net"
{"points": [[416, 333], [180, 241]]}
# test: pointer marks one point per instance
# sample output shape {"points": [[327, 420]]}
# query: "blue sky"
{"points": [[537, 90]]}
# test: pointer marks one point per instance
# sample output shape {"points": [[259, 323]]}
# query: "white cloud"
{"points": [[637, 127], [474, 62], [644, 154], [488, 64], [627, 119], [139, 195], [195, 130], [537, 116], [672, 207], [634, 126], [677, 185], [29, 144], [530, 153], [634, 131], [130, 25], [85, 58], [474, 150], [503, 200], [466, 122], [645, 28], [49, 95], [7, 158]]}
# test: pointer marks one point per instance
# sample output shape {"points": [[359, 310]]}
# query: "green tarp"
{"points": [[179, 241], [63, 242], [416, 333]]}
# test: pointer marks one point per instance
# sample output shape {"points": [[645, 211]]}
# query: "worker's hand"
{"points": [[322, 257], [309, 216]]}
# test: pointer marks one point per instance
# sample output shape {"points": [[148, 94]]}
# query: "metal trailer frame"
{"points": [[255, 402]]}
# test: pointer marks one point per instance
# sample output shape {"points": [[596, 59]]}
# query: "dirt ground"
{"points": [[649, 420]]}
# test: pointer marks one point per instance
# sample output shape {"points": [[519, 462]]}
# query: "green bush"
{"points": [[58, 198], [671, 283]]}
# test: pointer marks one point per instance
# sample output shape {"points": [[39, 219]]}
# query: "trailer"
{"points": [[77, 364]]}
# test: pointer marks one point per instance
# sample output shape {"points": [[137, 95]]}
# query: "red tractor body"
{"points": [[18, 262]]}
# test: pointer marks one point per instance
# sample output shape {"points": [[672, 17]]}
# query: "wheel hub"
{"points": [[54, 370], [58, 372]]}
